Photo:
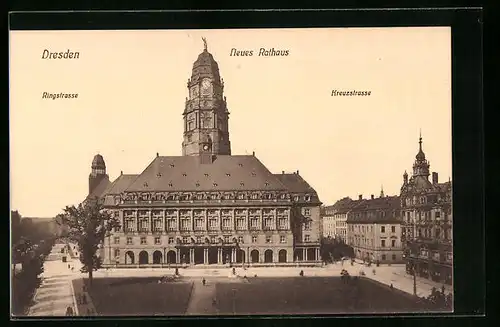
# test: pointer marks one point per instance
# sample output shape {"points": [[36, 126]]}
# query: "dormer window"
{"points": [[253, 174], [145, 184], [172, 165], [215, 184], [170, 184], [184, 174], [206, 175], [242, 184], [228, 174], [197, 184], [307, 198], [240, 164], [266, 184], [158, 175]]}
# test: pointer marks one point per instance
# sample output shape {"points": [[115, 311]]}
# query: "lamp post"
{"points": [[414, 279]]}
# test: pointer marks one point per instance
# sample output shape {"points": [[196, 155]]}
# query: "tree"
{"points": [[87, 225]]}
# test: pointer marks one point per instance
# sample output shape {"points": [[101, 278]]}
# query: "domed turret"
{"points": [[97, 172], [98, 162]]}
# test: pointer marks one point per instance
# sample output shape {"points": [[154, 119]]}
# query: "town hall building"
{"points": [[208, 206]]}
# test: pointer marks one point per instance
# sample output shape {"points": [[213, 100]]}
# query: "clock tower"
{"points": [[205, 114]]}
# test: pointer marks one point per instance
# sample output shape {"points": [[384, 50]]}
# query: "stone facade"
{"points": [[208, 206]]}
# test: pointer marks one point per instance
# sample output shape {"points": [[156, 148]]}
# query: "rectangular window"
{"points": [[307, 238], [129, 225], [282, 239], [185, 224], [129, 240], [307, 212], [143, 240], [240, 239], [254, 239], [157, 240], [393, 257], [268, 239], [393, 229], [240, 224], [226, 224], [117, 240], [268, 223], [185, 239], [438, 233], [157, 225], [382, 242], [143, 225], [171, 224], [254, 223], [212, 224], [170, 240], [198, 224], [382, 229], [393, 243], [438, 214], [199, 239], [213, 239], [307, 225], [383, 256], [226, 239]]}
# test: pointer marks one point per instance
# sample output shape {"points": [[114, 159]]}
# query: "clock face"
{"points": [[205, 147], [205, 85]]}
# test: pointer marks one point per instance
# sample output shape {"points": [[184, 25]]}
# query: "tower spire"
{"points": [[382, 191], [204, 44], [420, 140]]}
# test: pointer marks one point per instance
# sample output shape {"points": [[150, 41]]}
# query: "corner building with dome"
{"points": [[208, 207]]}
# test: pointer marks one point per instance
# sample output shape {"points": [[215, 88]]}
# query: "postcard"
{"points": [[297, 171]]}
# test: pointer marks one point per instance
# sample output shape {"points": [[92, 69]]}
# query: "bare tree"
{"points": [[87, 225]]}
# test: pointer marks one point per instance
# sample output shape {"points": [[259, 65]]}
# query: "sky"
{"points": [[132, 87]]}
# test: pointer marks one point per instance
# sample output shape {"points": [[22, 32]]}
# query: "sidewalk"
{"points": [[54, 295]]}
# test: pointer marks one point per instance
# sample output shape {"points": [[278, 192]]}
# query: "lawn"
{"points": [[261, 296], [311, 295], [139, 296]]}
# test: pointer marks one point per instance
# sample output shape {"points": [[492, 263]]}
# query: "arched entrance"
{"points": [[199, 255], [282, 256], [311, 254], [268, 256], [157, 257], [254, 256], [143, 258], [129, 258], [240, 256], [298, 255], [171, 257]]}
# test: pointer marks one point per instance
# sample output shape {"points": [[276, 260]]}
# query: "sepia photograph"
{"points": [[227, 172]]}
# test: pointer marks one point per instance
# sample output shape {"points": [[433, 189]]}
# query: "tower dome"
{"points": [[98, 162], [205, 66]]}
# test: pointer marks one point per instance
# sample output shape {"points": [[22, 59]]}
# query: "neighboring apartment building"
{"points": [[374, 229], [208, 206], [335, 219], [428, 222]]}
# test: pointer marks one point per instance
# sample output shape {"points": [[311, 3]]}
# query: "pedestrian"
{"points": [[392, 287], [373, 271], [214, 303], [69, 266], [301, 273], [72, 269], [442, 289], [69, 311], [203, 281]]}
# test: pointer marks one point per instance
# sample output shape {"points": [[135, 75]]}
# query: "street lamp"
{"points": [[414, 278], [234, 301]]}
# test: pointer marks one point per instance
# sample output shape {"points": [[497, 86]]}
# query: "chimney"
{"points": [[282, 172], [253, 153], [434, 178], [157, 154], [372, 197], [121, 172], [297, 171], [360, 196]]}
